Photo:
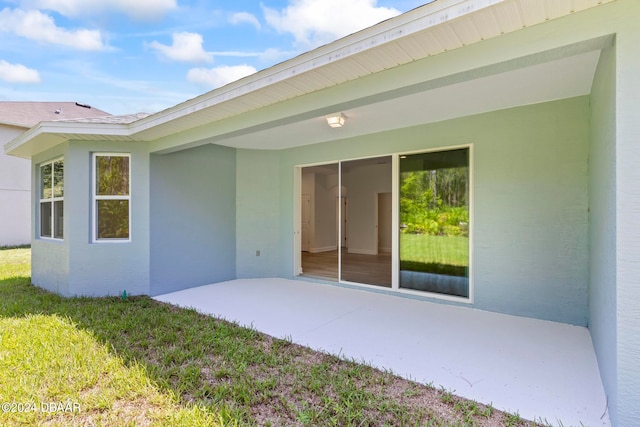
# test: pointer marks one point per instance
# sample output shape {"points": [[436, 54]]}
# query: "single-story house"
{"points": [[482, 153], [15, 173]]}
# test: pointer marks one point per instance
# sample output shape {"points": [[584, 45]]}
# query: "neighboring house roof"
{"points": [[437, 28], [29, 114], [124, 119]]}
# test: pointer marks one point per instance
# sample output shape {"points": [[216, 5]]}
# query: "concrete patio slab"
{"points": [[542, 370]]}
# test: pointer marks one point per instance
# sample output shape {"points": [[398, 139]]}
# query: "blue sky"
{"points": [[127, 56]]}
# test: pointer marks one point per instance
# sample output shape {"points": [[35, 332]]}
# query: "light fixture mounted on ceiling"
{"points": [[336, 120]]}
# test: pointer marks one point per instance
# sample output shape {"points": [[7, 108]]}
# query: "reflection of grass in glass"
{"points": [[436, 254]]}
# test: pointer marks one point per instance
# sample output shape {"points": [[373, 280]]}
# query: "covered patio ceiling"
{"points": [[428, 103]]}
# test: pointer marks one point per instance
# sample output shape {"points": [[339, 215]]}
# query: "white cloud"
{"points": [[35, 25], [137, 9], [316, 22], [212, 78], [245, 18], [186, 47], [17, 73]]}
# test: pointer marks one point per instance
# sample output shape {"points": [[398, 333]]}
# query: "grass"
{"points": [[452, 250], [434, 254], [140, 362]]}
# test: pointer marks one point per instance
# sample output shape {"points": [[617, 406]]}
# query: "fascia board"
{"points": [[61, 128], [13, 124]]}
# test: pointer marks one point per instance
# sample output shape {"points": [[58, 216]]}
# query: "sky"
{"points": [[130, 56]]}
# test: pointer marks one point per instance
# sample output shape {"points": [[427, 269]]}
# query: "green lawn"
{"points": [[115, 362], [436, 254]]}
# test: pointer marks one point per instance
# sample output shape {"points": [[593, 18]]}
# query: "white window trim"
{"points": [[95, 198], [51, 200]]}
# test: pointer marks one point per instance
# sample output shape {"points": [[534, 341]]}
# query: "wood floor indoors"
{"points": [[358, 268]]}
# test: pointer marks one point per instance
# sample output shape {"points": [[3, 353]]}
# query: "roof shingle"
{"points": [[28, 114]]}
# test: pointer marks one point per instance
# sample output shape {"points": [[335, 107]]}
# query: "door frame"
{"points": [[395, 222]]}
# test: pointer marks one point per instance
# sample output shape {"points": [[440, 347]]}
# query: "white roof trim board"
{"points": [[428, 30]]}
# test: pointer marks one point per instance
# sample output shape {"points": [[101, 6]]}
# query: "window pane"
{"points": [[434, 218], [113, 219], [58, 179], [112, 176], [45, 181], [45, 219], [58, 217]]}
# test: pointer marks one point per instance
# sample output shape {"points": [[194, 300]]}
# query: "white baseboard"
{"points": [[323, 249], [362, 251]]}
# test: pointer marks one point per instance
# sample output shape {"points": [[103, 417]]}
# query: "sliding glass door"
{"points": [[434, 222], [397, 221]]}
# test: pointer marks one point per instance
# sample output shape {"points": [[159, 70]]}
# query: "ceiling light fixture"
{"points": [[336, 120]]}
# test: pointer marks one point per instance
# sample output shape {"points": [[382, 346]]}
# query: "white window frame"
{"points": [[51, 200], [95, 197]]}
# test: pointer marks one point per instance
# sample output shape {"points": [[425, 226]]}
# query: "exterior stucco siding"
{"points": [[258, 248], [192, 218], [628, 214], [106, 268], [602, 224], [49, 259]]}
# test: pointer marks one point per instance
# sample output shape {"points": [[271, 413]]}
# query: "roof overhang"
{"points": [[13, 124], [284, 106]]}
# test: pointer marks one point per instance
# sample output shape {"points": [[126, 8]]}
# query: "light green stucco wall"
{"points": [[192, 218], [258, 213], [106, 268], [627, 212], [75, 266], [530, 190], [602, 223], [49, 259]]}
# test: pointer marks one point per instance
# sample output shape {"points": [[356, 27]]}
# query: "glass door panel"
{"points": [[434, 222], [365, 255], [319, 219]]}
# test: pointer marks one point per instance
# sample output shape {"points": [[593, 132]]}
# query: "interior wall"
{"points": [[530, 177], [602, 230], [309, 192], [385, 210], [363, 184], [325, 231], [193, 218]]}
